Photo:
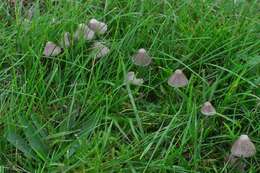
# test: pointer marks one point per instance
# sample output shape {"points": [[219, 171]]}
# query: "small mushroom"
{"points": [[65, 42], [131, 79], [97, 26], [208, 109], [142, 58], [178, 79], [51, 49], [243, 147], [101, 49], [85, 32]]}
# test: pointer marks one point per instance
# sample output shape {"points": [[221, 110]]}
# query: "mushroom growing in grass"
{"points": [[141, 58], [51, 49], [243, 147], [97, 26], [84, 31], [65, 42], [131, 79], [208, 109], [100, 49], [178, 79]]}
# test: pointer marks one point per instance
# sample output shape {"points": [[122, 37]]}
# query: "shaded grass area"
{"points": [[73, 114]]}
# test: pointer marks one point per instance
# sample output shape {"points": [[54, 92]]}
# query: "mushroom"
{"points": [[178, 79], [97, 26], [85, 32], [65, 42], [208, 109], [51, 49], [101, 49], [141, 58], [131, 79], [243, 147]]}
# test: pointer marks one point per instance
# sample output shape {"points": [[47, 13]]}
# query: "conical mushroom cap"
{"points": [[131, 79], [101, 49], [208, 109], [178, 79], [97, 26], [243, 147], [84, 31], [142, 58], [51, 49]]}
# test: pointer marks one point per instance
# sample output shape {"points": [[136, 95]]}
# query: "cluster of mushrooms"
{"points": [[87, 32], [242, 147]]}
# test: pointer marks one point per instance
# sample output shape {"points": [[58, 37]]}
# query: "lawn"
{"points": [[75, 112]]}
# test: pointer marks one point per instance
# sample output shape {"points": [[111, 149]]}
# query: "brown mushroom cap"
{"points": [[141, 58], [51, 49], [97, 26], [208, 109], [243, 147], [178, 79]]}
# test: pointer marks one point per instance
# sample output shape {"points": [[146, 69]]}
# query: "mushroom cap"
{"points": [[51, 49], [93, 21], [141, 58], [243, 147], [131, 79], [178, 79], [101, 49], [142, 50], [85, 32], [97, 26], [130, 76], [208, 109], [94, 24]]}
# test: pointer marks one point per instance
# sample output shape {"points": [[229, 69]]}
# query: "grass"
{"points": [[71, 113]]}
